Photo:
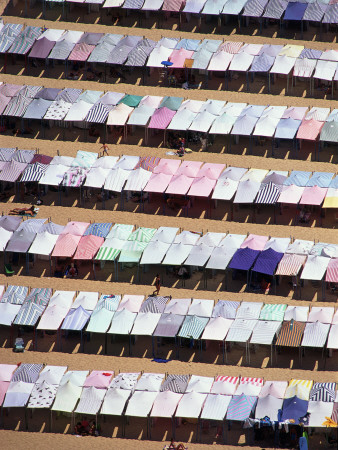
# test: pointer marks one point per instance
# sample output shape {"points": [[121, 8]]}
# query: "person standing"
{"points": [[157, 284], [105, 149]]}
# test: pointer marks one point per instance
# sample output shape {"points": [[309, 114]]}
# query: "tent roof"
{"points": [[294, 408], [315, 334], [145, 323], [216, 329], [226, 309], [165, 404], [240, 330], [190, 405], [140, 403], [264, 332], [315, 267], [273, 388], [193, 327], [268, 406], [178, 306], [291, 333], [241, 407], [243, 259], [169, 325], [67, 397], [224, 385]]}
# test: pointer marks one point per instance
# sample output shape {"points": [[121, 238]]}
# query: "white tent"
{"points": [[116, 179], [223, 124], [319, 411], [177, 254], [8, 313], [190, 405], [122, 322], [87, 300], [119, 115], [298, 313], [325, 70], [283, 65], [200, 384], [216, 329], [315, 267], [268, 406], [158, 55], [140, 403], [266, 126], [182, 120], [178, 306], [76, 377], [66, 398], [127, 162], [115, 401], [52, 35], [332, 341], [4, 238], [222, 255], [199, 255], [202, 122], [265, 331], [215, 407], [246, 191], [315, 334], [277, 244], [137, 180], [63, 160], [100, 320], [56, 311], [224, 385], [241, 62], [165, 404], [145, 323], [53, 175], [240, 330], [165, 234], [186, 237], [96, 177], [300, 247], [150, 382], [131, 302], [212, 239], [249, 386], [194, 106], [141, 115], [52, 374], [105, 162], [43, 243], [249, 310], [91, 400], [154, 253], [201, 307], [220, 61], [321, 314], [78, 111], [125, 380], [17, 394]]}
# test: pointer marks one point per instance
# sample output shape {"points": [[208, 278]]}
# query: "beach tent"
{"points": [[301, 388], [67, 397], [145, 323], [274, 388], [116, 179], [222, 255], [216, 329], [187, 237], [332, 341], [154, 304], [161, 118], [323, 315], [150, 382], [76, 319], [291, 333], [268, 406], [172, 5], [5, 236], [182, 120], [309, 129], [265, 332], [243, 259], [193, 327], [319, 411], [226, 309], [137, 180], [331, 199], [42, 395], [28, 373], [211, 239], [140, 403], [52, 374], [287, 128], [88, 246], [76, 377], [15, 295], [300, 247], [241, 407], [168, 325], [201, 308], [165, 235], [315, 267], [122, 322], [240, 330], [315, 334], [8, 312], [56, 310], [6, 373], [315, 11], [190, 405], [277, 244], [11, 171], [125, 380], [249, 310], [20, 241], [66, 245], [102, 315], [17, 394], [141, 115], [249, 386], [152, 5], [294, 408], [215, 407], [78, 111], [90, 401], [282, 65], [177, 254], [299, 313], [175, 383], [115, 401], [325, 70], [88, 300], [332, 271], [199, 255], [200, 384], [98, 379], [131, 302], [165, 404], [224, 385], [53, 175], [158, 55], [267, 261], [178, 306], [273, 312]]}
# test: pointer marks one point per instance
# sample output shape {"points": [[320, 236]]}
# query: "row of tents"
{"points": [[164, 317], [188, 54], [322, 11], [151, 395], [167, 246], [72, 107], [170, 177]]}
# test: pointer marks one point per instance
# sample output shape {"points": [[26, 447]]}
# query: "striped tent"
{"points": [[17, 106], [76, 319], [132, 251], [224, 385], [226, 309], [81, 52], [32, 225], [29, 314], [110, 249], [264, 332], [315, 334], [88, 246], [290, 264], [291, 334], [241, 407], [332, 271], [268, 193], [254, 8], [138, 56], [193, 327], [98, 113], [23, 156], [6, 154], [69, 95], [28, 373], [61, 50], [175, 383], [15, 295], [142, 234], [154, 304], [273, 312], [3, 102], [66, 245], [301, 388], [324, 392], [172, 5], [33, 172], [39, 296], [25, 40], [98, 229], [215, 407], [240, 330]]}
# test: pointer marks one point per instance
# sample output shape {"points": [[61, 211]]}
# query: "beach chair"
{"points": [[19, 345], [8, 270]]}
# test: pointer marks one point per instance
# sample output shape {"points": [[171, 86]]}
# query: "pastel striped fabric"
{"points": [[17, 106], [226, 309], [290, 264], [315, 334], [264, 332], [88, 246], [81, 52], [98, 114], [273, 312], [15, 295], [154, 304], [324, 392], [252, 380], [241, 407], [193, 327], [175, 383], [172, 5], [76, 319], [98, 229], [66, 245], [28, 373], [291, 334], [33, 172], [6, 154], [11, 171], [332, 271]]}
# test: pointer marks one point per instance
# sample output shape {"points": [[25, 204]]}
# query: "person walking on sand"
{"points": [[157, 284], [105, 149]]}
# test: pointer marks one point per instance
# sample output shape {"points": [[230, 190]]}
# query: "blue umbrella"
{"points": [[167, 63]]}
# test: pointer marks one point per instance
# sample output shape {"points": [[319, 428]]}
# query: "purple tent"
{"points": [[294, 408], [41, 48], [168, 325], [267, 261], [12, 170], [243, 259], [295, 11], [10, 223], [254, 8], [331, 14], [315, 11], [48, 93], [310, 53], [275, 9], [20, 241], [262, 63]]}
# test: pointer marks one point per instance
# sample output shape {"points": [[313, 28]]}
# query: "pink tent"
{"points": [[81, 52], [231, 47], [76, 228], [275, 388], [295, 112], [189, 168], [332, 271], [179, 185], [158, 182], [211, 171], [290, 264], [309, 129], [202, 187], [99, 379], [6, 371], [255, 242], [3, 389], [161, 118], [88, 247], [167, 166], [66, 245], [291, 194], [313, 195], [178, 58], [131, 302], [172, 5]]}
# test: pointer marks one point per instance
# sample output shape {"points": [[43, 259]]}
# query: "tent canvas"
{"points": [[115, 401], [140, 403], [165, 404], [268, 406], [241, 407], [169, 325], [145, 323], [216, 329], [190, 405]]}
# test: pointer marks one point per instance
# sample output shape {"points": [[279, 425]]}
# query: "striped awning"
{"points": [[315, 334], [98, 229], [29, 314], [290, 264], [98, 113], [12, 170], [175, 383], [268, 193], [28, 373], [142, 234], [324, 392], [332, 271], [273, 312], [33, 172], [291, 334], [193, 327], [15, 295], [17, 106], [154, 304], [241, 407]]}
